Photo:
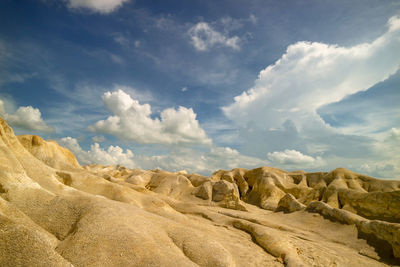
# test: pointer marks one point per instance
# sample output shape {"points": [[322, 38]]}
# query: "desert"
{"points": [[169, 133]]}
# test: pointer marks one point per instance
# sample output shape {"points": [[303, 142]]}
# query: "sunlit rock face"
{"points": [[54, 212]]}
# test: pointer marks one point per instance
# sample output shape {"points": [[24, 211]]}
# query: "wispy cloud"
{"points": [[179, 158], [99, 6], [203, 37]]}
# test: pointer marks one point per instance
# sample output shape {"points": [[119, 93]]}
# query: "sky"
{"points": [[205, 85]]}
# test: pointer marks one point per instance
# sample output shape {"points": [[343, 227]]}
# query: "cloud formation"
{"points": [[294, 158], [112, 156], [179, 158], [99, 6], [205, 163], [310, 75], [27, 118], [389, 151], [204, 37], [132, 121], [282, 105]]}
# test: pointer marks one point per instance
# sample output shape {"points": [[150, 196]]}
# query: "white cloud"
{"points": [[394, 135], [231, 158], [385, 162], [184, 89], [253, 19], [98, 139], [204, 37], [121, 39], [100, 6], [2, 108], [132, 121], [126, 41], [28, 118], [195, 161], [379, 169], [178, 159], [294, 158], [280, 110], [144, 96], [388, 148], [310, 75], [111, 156]]}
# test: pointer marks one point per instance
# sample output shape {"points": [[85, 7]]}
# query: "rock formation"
{"points": [[54, 212]]}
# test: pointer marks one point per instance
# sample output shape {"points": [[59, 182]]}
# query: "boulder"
{"points": [[290, 204], [224, 190], [204, 191]]}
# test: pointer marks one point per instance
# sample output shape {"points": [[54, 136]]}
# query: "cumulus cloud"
{"points": [[233, 159], [195, 161], [394, 135], [204, 37], [132, 121], [280, 110], [294, 158], [99, 6], [112, 156], [178, 159], [310, 75], [28, 118]]}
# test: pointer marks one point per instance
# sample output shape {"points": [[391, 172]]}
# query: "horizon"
{"points": [[203, 86]]}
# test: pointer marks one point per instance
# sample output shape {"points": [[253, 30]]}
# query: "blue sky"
{"points": [[205, 85]]}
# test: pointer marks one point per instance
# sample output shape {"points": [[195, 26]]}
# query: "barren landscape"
{"points": [[54, 212], [174, 133]]}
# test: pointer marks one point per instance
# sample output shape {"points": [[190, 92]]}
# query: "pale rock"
{"points": [[53, 212], [205, 191], [223, 190], [290, 204]]}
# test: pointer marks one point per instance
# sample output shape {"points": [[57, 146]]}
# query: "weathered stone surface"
{"points": [[385, 231], [290, 204], [204, 191], [224, 190], [49, 152], [53, 212], [196, 179]]}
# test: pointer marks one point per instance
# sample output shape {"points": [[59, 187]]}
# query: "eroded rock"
{"points": [[53, 212], [290, 204]]}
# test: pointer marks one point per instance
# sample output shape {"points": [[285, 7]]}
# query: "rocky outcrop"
{"points": [[224, 190], [343, 194], [290, 204], [341, 188], [384, 231], [49, 152], [205, 190], [53, 212]]}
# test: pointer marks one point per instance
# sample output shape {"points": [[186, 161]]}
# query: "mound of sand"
{"points": [[53, 212]]}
